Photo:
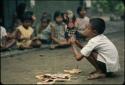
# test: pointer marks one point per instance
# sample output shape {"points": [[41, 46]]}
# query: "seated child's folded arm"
{"points": [[18, 35]]}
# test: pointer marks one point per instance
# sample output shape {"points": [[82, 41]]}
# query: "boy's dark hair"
{"points": [[46, 16], [56, 14], [80, 8], [27, 16], [98, 24]]}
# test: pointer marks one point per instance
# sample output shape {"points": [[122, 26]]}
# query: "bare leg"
{"points": [[36, 44], [10, 43], [98, 73], [93, 61], [60, 43], [64, 42]]}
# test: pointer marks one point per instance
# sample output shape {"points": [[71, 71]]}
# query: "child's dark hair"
{"points": [[98, 24], [27, 16], [80, 8], [56, 14], [46, 16]]}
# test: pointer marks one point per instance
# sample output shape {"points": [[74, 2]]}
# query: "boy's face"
{"points": [[88, 31], [82, 13], [59, 19], [27, 23], [44, 23]]}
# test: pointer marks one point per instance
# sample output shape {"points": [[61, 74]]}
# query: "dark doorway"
{"points": [[2, 12]]}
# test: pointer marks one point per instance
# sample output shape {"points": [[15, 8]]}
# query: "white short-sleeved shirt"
{"points": [[45, 34], [107, 52], [3, 32]]}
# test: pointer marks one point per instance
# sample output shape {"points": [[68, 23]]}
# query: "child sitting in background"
{"points": [[44, 31], [58, 31], [70, 29], [24, 33], [3, 35], [6, 40], [81, 21], [99, 50]]}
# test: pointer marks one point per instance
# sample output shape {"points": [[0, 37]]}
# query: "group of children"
{"points": [[22, 36], [66, 30], [56, 32]]}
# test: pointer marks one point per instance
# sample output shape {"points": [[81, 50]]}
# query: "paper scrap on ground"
{"points": [[52, 78], [59, 77]]}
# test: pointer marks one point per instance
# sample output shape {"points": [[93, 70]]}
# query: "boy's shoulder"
{"points": [[2, 28], [52, 24], [86, 18], [19, 27], [98, 38]]}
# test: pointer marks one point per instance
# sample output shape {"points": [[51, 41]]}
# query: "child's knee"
{"points": [[94, 54], [36, 43]]}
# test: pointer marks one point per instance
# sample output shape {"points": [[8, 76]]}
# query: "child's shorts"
{"points": [[102, 66]]}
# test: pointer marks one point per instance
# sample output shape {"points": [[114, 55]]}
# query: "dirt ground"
{"points": [[22, 69]]}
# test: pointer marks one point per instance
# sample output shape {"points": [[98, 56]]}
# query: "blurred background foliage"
{"points": [[108, 6]]}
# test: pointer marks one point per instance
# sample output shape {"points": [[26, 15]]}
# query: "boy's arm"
{"points": [[18, 36], [78, 44], [73, 40], [77, 54]]}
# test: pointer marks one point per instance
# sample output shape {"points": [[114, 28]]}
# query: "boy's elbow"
{"points": [[79, 57]]}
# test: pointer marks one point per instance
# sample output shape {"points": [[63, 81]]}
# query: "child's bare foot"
{"points": [[53, 46], [96, 76]]}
